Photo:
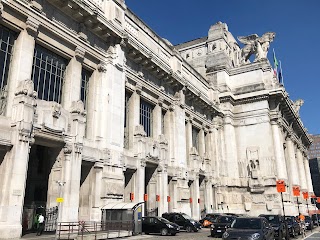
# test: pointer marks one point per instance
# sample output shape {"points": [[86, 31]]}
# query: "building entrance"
{"points": [[151, 189], [39, 185]]}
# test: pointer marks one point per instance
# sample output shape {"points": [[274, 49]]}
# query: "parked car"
{"points": [[254, 228], [219, 227], [183, 220], [293, 226], [308, 222], [159, 225], [316, 219], [278, 224], [209, 219]]}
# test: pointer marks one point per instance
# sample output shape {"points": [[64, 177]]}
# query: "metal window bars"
{"points": [[48, 72], [7, 38], [146, 117], [85, 76]]}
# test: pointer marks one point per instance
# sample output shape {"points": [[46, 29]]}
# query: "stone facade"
{"points": [[127, 114]]}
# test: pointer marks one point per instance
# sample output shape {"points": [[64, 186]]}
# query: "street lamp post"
{"points": [[59, 200]]}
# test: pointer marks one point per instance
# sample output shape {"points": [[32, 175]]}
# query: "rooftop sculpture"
{"points": [[256, 45]]}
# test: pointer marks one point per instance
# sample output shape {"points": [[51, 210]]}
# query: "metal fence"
{"points": [[70, 230], [51, 219]]}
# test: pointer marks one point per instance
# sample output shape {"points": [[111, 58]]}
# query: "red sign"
{"points": [[305, 195], [296, 191], [281, 187], [131, 196], [318, 199], [145, 197], [190, 200], [168, 199], [158, 198]]}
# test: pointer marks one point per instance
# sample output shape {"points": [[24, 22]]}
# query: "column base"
{"points": [[10, 231]]}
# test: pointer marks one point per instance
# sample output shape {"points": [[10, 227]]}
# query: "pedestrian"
{"points": [[302, 225], [40, 224]]}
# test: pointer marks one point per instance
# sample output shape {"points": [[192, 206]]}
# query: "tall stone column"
{"points": [[13, 175], [293, 172], [202, 146], [156, 117], [308, 174], [95, 211], [208, 195], [162, 186], [21, 60], [278, 151], [96, 119], [189, 139], [72, 80], [134, 113], [140, 182], [302, 172], [195, 195], [231, 149]]}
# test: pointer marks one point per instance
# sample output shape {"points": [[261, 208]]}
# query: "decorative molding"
{"points": [[32, 25], [102, 67], [56, 110], [26, 88], [67, 149], [77, 107], [79, 53]]}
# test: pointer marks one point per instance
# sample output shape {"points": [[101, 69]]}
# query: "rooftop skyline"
{"points": [[295, 25]]}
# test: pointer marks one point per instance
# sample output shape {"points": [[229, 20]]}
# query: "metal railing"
{"points": [[70, 230]]}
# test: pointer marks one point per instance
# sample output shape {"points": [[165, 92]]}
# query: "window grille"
{"points": [[195, 138], [7, 38], [146, 117], [126, 121], [162, 121], [85, 76], [47, 74]]}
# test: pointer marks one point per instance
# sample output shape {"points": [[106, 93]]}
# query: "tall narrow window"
{"points": [[163, 113], [85, 76], [126, 120], [47, 74], [146, 117], [195, 138], [7, 38]]}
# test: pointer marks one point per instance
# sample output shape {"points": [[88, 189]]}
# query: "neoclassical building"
{"points": [[96, 108]]}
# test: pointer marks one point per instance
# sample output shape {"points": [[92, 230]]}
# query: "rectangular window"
{"points": [[146, 117], [7, 38], [163, 113], [47, 74], [126, 120], [195, 138], [85, 76]]}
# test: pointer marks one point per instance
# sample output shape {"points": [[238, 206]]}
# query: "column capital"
{"points": [[79, 53], [102, 67], [32, 26]]}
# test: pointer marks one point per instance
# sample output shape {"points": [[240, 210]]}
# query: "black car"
{"points": [[222, 223], [293, 226], [209, 218], [183, 220], [278, 224], [159, 225], [254, 228], [308, 222], [316, 219]]}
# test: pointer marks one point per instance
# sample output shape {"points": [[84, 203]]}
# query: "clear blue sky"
{"points": [[297, 41]]}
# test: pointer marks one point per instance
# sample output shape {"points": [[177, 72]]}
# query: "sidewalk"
{"points": [[52, 237]]}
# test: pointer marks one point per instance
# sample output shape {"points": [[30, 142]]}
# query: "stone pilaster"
{"points": [[308, 174], [202, 146], [302, 172], [156, 117], [96, 117], [189, 139], [231, 149], [95, 211], [293, 170], [21, 60], [208, 195], [195, 195], [279, 153], [16, 160], [139, 190], [72, 80], [162, 186], [134, 113]]}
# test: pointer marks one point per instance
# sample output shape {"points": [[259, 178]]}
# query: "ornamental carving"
{"points": [[56, 110], [67, 149], [78, 108], [79, 53], [32, 25], [26, 88]]}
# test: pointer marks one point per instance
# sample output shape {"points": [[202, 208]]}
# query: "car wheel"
{"points": [[173, 234], [164, 232], [189, 229], [147, 233], [294, 234]]}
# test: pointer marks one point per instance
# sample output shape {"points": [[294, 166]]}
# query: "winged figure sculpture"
{"points": [[255, 45]]}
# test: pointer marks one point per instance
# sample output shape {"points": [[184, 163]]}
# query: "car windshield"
{"points": [[246, 223], [307, 218], [163, 220], [186, 216], [225, 219], [272, 219]]}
